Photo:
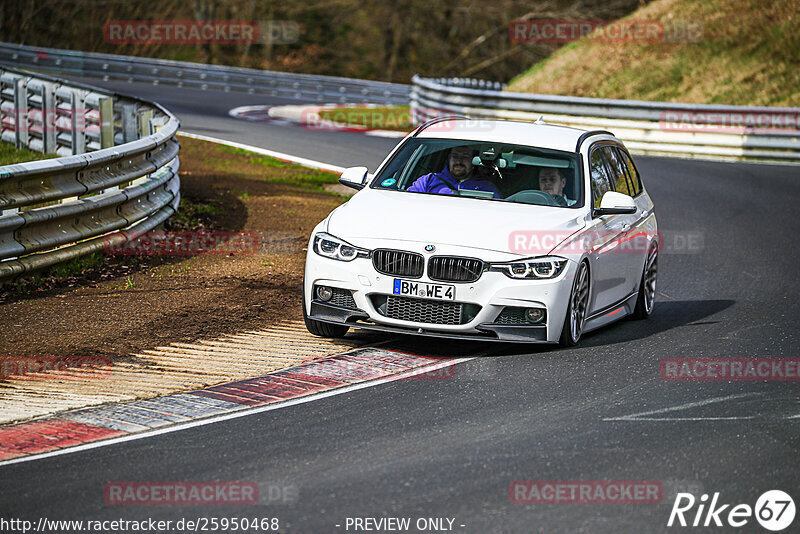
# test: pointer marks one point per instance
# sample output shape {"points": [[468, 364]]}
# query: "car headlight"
{"points": [[532, 269], [337, 249]]}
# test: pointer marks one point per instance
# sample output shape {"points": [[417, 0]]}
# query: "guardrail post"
{"points": [[21, 113], [145, 116], [106, 105], [48, 119], [78, 121], [157, 123], [129, 123]]}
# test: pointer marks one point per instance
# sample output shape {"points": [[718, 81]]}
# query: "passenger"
{"points": [[552, 181], [457, 175]]}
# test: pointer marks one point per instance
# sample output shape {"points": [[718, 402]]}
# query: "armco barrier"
{"points": [[308, 87], [657, 128], [117, 177]]}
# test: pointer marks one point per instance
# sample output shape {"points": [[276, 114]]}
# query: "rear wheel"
{"points": [[576, 311], [647, 287], [318, 328]]}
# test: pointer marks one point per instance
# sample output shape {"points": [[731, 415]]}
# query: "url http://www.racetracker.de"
{"points": [[147, 525]]}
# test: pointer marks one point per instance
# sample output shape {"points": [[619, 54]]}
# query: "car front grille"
{"points": [[398, 263], [454, 269], [423, 311]]}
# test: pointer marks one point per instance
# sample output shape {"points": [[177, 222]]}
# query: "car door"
{"points": [[611, 270], [632, 242], [645, 223]]}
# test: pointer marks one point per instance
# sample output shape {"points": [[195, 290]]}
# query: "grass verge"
{"points": [[272, 169], [10, 155], [746, 52], [202, 209]]}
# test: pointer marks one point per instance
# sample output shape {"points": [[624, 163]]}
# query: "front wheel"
{"points": [[318, 328], [647, 287], [576, 311]]}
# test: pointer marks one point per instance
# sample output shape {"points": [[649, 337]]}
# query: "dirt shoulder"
{"points": [[123, 304]]}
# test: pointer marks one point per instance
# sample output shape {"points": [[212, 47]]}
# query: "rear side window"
{"points": [[633, 174], [617, 168], [599, 176]]}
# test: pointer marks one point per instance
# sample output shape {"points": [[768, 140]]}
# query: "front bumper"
{"points": [[328, 313], [492, 293]]}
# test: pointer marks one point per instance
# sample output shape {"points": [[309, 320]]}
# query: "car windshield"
{"points": [[484, 170]]}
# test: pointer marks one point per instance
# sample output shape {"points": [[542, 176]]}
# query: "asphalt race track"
{"points": [[206, 113], [451, 448]]}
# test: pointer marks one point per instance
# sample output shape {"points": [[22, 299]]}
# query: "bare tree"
{"points": [[378, 39]]}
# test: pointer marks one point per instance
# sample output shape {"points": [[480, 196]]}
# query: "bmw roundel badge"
{"points": [[430, 248]]}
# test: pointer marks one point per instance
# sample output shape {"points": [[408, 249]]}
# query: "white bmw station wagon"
{"points": [[487, 230]]}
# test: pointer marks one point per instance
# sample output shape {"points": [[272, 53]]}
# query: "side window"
{"points": [[422, 161], [599, 176], [618, 175], [633, 174]]}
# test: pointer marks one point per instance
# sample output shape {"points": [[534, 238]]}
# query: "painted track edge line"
{"points": [[263, 151], [235, 415]]}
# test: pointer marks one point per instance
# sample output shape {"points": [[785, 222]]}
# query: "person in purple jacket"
{"points": [[459, 174]]}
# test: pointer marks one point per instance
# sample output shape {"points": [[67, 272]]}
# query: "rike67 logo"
{"points": [[774, 510]]}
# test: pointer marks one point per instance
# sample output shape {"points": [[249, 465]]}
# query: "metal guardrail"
{"points": [[200, 76], [655, 128], [117, 179]]}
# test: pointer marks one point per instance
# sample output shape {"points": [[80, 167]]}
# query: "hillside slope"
{"points": [[749, 54]]}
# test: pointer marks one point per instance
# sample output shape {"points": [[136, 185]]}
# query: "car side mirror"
{"points": [[354, 177], [614, 203]]}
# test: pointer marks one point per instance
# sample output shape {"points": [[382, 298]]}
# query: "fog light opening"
{"points": [[324, 293], [534, 315]]}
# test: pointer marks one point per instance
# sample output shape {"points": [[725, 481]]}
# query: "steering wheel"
{"points": [[533, 196], [492, 167]]}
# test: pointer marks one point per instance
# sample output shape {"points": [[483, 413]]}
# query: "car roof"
{"points": [[501, 131]]}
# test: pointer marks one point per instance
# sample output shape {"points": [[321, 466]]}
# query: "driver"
{"points": [[459, 174], [552, 181]]}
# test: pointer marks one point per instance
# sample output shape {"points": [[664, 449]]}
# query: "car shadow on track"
{"points": [[667, 315]]}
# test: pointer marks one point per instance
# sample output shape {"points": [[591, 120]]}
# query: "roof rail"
{"points": [[435, 120], [589, 134]]}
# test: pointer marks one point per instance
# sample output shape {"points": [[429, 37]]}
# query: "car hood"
{"points": [[374, 218]]}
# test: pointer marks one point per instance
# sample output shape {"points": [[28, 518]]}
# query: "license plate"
{"points": [[424, 289]]}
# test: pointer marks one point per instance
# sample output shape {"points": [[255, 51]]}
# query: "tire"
{"points": [[576, 310], [318, 328], [647, 286]]}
